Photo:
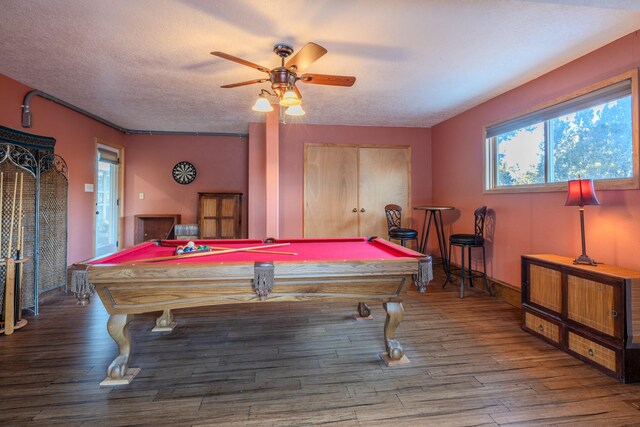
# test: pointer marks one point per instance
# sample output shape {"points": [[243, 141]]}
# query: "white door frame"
{"points": [[118, 183]]}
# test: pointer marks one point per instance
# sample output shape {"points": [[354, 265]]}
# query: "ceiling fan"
{"points": [[284, 78]]}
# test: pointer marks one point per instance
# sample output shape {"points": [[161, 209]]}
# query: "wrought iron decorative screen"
{"points": [[44, 176]]}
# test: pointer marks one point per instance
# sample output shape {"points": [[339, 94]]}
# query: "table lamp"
{"points": [[581, 192]]}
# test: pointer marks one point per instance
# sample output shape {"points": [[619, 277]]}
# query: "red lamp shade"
{"points": [[581, 192]]}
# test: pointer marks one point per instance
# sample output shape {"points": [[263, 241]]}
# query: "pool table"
{"points": [[151, 277]]}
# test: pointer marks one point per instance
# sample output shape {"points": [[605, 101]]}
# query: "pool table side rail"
{"points": [[129, 289]]}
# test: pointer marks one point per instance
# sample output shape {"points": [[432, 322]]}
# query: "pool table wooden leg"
{"points": [[164, 322], [395, 353], [119, 372]]}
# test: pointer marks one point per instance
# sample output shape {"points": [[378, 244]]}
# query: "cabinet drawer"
{"points": [[593, 352], [543, 327]]}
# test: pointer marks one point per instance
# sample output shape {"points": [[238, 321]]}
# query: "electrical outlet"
{"points": [[141, 196]]}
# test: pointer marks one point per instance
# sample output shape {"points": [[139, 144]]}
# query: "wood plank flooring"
{"points": [[305, 364]]}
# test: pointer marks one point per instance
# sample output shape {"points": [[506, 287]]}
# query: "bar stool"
{"points": [[394, 221], [468, 241]]}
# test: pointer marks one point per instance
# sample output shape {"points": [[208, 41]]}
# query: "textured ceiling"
{"points": [[145, 64]]}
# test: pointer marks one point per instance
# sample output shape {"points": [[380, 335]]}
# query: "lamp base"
{"points": [[584, 259]]}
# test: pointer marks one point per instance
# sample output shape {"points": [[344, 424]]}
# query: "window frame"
{"points": [[490, 158]]}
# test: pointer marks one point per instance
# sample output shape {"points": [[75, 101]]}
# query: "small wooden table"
{"points": [[434, 214]]}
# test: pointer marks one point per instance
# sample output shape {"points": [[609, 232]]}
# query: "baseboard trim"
{"points": [[504, 291]]}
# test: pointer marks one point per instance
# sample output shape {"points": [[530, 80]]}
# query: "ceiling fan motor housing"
{"points": [[282, 79]]}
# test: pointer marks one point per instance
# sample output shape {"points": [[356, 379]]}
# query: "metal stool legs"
{"points": [[466, 272], [403, 242]]}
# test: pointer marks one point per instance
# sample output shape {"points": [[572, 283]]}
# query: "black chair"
{"points": [[394, 222], [468, 241]]}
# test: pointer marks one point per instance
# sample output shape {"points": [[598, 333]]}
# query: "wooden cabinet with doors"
{"points": [[346, 188], [220, 215], [154, 226], [591, 312]]}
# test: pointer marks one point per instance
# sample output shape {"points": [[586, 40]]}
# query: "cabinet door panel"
{"points": [[545, 287], [227, 228], [209, 229], [228, 207], [209, 207], [330, 191], [384, 177], [592, 304]]}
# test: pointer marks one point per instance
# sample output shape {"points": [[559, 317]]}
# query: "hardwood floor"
{"points": [[305, 364]]}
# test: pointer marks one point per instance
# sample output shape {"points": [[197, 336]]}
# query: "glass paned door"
{"points": [[106, 204]]}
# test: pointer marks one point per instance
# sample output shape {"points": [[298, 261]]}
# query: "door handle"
{"points": [[97, 212], [362, 210], [355, 210]]}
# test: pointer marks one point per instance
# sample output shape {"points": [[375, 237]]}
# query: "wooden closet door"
{"points": [[384, 178], [330, 191]]}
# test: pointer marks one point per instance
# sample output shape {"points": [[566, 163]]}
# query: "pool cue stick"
{"points": [[20, 322], [13, 211], [9, 282], [17, 295], [247, 250], [200, 254], [20, 209], [261, 251], [9, 320], [16, 284]]}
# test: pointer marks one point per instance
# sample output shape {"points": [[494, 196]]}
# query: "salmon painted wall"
{"points": [[221, 166], [75, 136], [529, 223], [294, 136], [257, 198]]}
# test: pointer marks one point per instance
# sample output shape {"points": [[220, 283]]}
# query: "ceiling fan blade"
{"points": [[240, 61], [248, 82], [306, 56], [328, 79]]}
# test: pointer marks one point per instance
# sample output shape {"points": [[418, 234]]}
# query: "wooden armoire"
{"points": [[346, 188], [220, 215]]}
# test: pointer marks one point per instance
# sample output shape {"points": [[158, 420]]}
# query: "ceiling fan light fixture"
{"points": [[284, 77], [295, 110], [289, 99], [262, 105]]}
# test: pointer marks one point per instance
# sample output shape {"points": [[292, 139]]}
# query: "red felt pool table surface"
{"points": [[299, 250]]}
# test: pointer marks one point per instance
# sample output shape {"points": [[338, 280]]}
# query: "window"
{"points": [[589, 135]]}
